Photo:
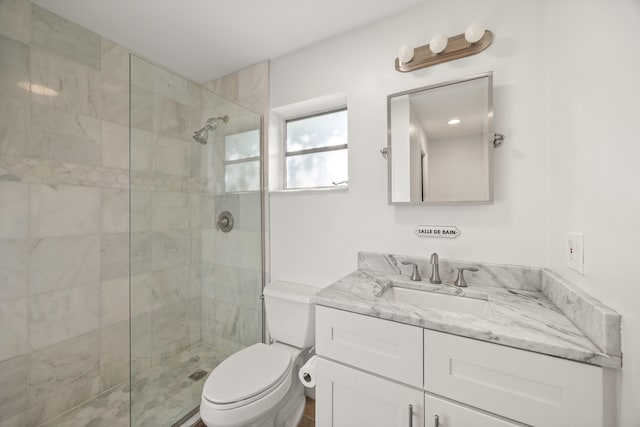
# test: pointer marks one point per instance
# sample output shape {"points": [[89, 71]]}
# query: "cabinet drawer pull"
{"points": [[436, 421], [410, 415]]}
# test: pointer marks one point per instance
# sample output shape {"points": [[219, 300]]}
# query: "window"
{"points": [[242, 161], [316, 153]]}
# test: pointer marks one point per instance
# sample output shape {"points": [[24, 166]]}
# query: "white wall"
{"points": [[315, 236], [400, 123], [418, 157], [455, 167], [594, 149], [567, 96]]}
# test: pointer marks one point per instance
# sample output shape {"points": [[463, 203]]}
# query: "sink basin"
{"points": [[445, 302]]}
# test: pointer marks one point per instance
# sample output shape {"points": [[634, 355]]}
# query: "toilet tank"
{"points": [[290, 313]]}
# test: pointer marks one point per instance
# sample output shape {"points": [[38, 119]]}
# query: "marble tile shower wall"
{"points": [[64, 331], [248, 87], [232, 273], [232, 263], [190, 281], [165, 214]]}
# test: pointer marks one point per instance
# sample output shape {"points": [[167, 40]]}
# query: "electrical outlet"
{"points": [[575, 252]]}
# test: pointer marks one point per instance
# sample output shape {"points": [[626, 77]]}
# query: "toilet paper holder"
{"points": [[306, 374]]}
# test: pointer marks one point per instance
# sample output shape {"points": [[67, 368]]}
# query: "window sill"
{"points": [[317, 190]]}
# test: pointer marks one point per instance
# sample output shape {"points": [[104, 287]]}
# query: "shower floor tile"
{"points": [[110, 409], [161, 395], [164, 394]]}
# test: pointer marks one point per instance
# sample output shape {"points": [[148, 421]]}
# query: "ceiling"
{"points": [[206, 39], [466, 101]]}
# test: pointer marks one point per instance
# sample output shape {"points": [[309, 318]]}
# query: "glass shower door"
{"points": [[195, 289]]}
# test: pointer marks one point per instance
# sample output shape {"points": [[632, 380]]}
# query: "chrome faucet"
{"points": [[460, 282], [435, 273], [415, 276]]}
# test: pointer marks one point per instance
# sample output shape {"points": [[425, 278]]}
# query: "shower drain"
{"points": [[197, 375]]}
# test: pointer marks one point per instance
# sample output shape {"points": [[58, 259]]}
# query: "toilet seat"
{"points": [[247, 376]]}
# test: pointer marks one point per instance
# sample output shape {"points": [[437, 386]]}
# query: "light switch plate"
{"points": [[575, 252]]}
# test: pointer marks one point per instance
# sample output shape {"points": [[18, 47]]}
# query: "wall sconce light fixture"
{"points": [[442, 49]]}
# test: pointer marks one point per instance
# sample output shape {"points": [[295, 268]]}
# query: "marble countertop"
{"points": [[519, 318]]}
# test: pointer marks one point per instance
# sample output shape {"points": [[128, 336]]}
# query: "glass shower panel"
{"points": [[195, 290]]}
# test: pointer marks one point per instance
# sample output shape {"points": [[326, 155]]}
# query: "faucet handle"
{"points": [[460, 282], [415, 276], [435, 269]]}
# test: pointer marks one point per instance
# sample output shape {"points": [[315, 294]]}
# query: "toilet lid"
{"points": [[249, 372]]}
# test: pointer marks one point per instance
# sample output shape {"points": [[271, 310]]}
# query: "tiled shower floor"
{"points": [[109, 409], [161, 395], [164, 394]]}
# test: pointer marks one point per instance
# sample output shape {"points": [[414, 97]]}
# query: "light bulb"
{"points": [[405, 53], [438, 43], [453, 121], [474, 32]]}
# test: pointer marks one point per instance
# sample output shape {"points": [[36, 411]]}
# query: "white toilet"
{"points": [[258, 386]]}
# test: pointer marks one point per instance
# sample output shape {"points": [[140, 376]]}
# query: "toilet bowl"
{"points": [[258, 386], [255, 387]]}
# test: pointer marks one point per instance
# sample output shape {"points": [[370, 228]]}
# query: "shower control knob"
{"points": [[225, 222]]}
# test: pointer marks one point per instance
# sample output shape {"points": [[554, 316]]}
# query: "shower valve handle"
{"points": [[225, 222]]}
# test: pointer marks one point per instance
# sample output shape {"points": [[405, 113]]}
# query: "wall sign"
{"points": [[441, 231]]}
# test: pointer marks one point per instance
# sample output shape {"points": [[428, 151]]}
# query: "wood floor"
{"points": [[308, 417]]}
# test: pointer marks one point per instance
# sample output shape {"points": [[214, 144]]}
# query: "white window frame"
{"points": [[226, 162], [276, 142], [310, 150]]}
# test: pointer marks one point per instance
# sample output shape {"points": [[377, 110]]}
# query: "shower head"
{"points": [[201, 135]]}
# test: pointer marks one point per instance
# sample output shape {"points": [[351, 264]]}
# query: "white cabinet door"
{"points": [[440, 412], [346, 397], [385, 348], [520, 385]]}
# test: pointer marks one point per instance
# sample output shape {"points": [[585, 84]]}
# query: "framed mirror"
{"points": [[440, 143]]}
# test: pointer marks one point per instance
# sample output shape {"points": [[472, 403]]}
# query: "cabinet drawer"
{"points": [[528, 387], [454, 414], [380, 346], [346, 397]]}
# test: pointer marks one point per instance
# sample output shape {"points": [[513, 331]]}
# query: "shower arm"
{"points": [[213, 121]]}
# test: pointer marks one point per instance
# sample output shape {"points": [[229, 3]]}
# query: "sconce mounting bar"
{"points": [[457, 47]]}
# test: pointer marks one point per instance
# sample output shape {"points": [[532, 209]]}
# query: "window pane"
{"points": [[317, 169], [242, 145], [317, 131], [243, 176]]}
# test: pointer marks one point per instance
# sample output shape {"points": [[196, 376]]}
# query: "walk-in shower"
{"points": [[195, 290], [202, 135]]}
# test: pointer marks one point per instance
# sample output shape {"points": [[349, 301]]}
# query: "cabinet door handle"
{"points": [[410, 415], [436, 421]]}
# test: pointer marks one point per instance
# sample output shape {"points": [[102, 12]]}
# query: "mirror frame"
{"points": [[489, 136]]}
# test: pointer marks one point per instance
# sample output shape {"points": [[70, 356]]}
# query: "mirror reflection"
{"points": [[439, 145]]}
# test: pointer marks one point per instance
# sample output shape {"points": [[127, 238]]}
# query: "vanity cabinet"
{"points": [[529, 387], [348, 397], [374, 372], [440, 412], [389, 349]]}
